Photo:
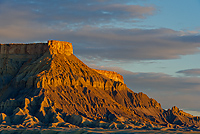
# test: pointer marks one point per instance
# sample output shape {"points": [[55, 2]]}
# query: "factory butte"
{"points": [[46, 85]]}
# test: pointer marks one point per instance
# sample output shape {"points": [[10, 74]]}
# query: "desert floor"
{"points": [[89, 131]]}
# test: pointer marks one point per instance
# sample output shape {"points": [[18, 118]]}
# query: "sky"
{"points": [[154, 44]]}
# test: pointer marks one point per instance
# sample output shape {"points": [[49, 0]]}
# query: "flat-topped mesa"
{"points": [[111, 74], [60, 47]]}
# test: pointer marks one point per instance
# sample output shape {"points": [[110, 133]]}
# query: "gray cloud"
{"points": [[136, 44], [190, 72], [87, 12]]}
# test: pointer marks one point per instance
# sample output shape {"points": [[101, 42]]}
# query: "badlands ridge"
{"points": [[44, 85]]}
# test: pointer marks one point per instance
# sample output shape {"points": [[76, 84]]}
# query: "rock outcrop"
{"points": [[53, 88], [60, 47], [111, 74]]}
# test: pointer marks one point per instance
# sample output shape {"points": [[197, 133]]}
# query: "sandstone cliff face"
{"points": [[111, 74], [54, 88], [60, 47]]}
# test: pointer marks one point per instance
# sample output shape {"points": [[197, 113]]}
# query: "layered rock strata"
{"points": [[60, 47], [111, 74], [53, 88]]}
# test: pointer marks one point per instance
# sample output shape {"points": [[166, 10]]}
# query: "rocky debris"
{"points": [[56, 89]]}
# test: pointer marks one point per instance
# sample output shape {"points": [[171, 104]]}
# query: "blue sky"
{"points": [[177, 14], [154, 44]]}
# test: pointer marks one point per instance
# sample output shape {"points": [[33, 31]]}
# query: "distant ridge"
{"points": [[45, 85]]}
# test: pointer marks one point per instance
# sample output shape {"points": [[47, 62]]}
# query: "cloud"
{"points": [[25, 21], [87, 12], [93, 28], [157, 80], [190, 72], [134, 44]]}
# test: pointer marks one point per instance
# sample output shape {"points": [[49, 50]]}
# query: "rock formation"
{"points": [[111, 74], [44, 84]]}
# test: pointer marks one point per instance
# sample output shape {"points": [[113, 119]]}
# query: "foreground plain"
{"points": [[91, 131]]}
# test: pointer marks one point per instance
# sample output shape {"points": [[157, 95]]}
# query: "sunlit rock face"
{"points": [[60, 47], [111, 74], [44, 84]]}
